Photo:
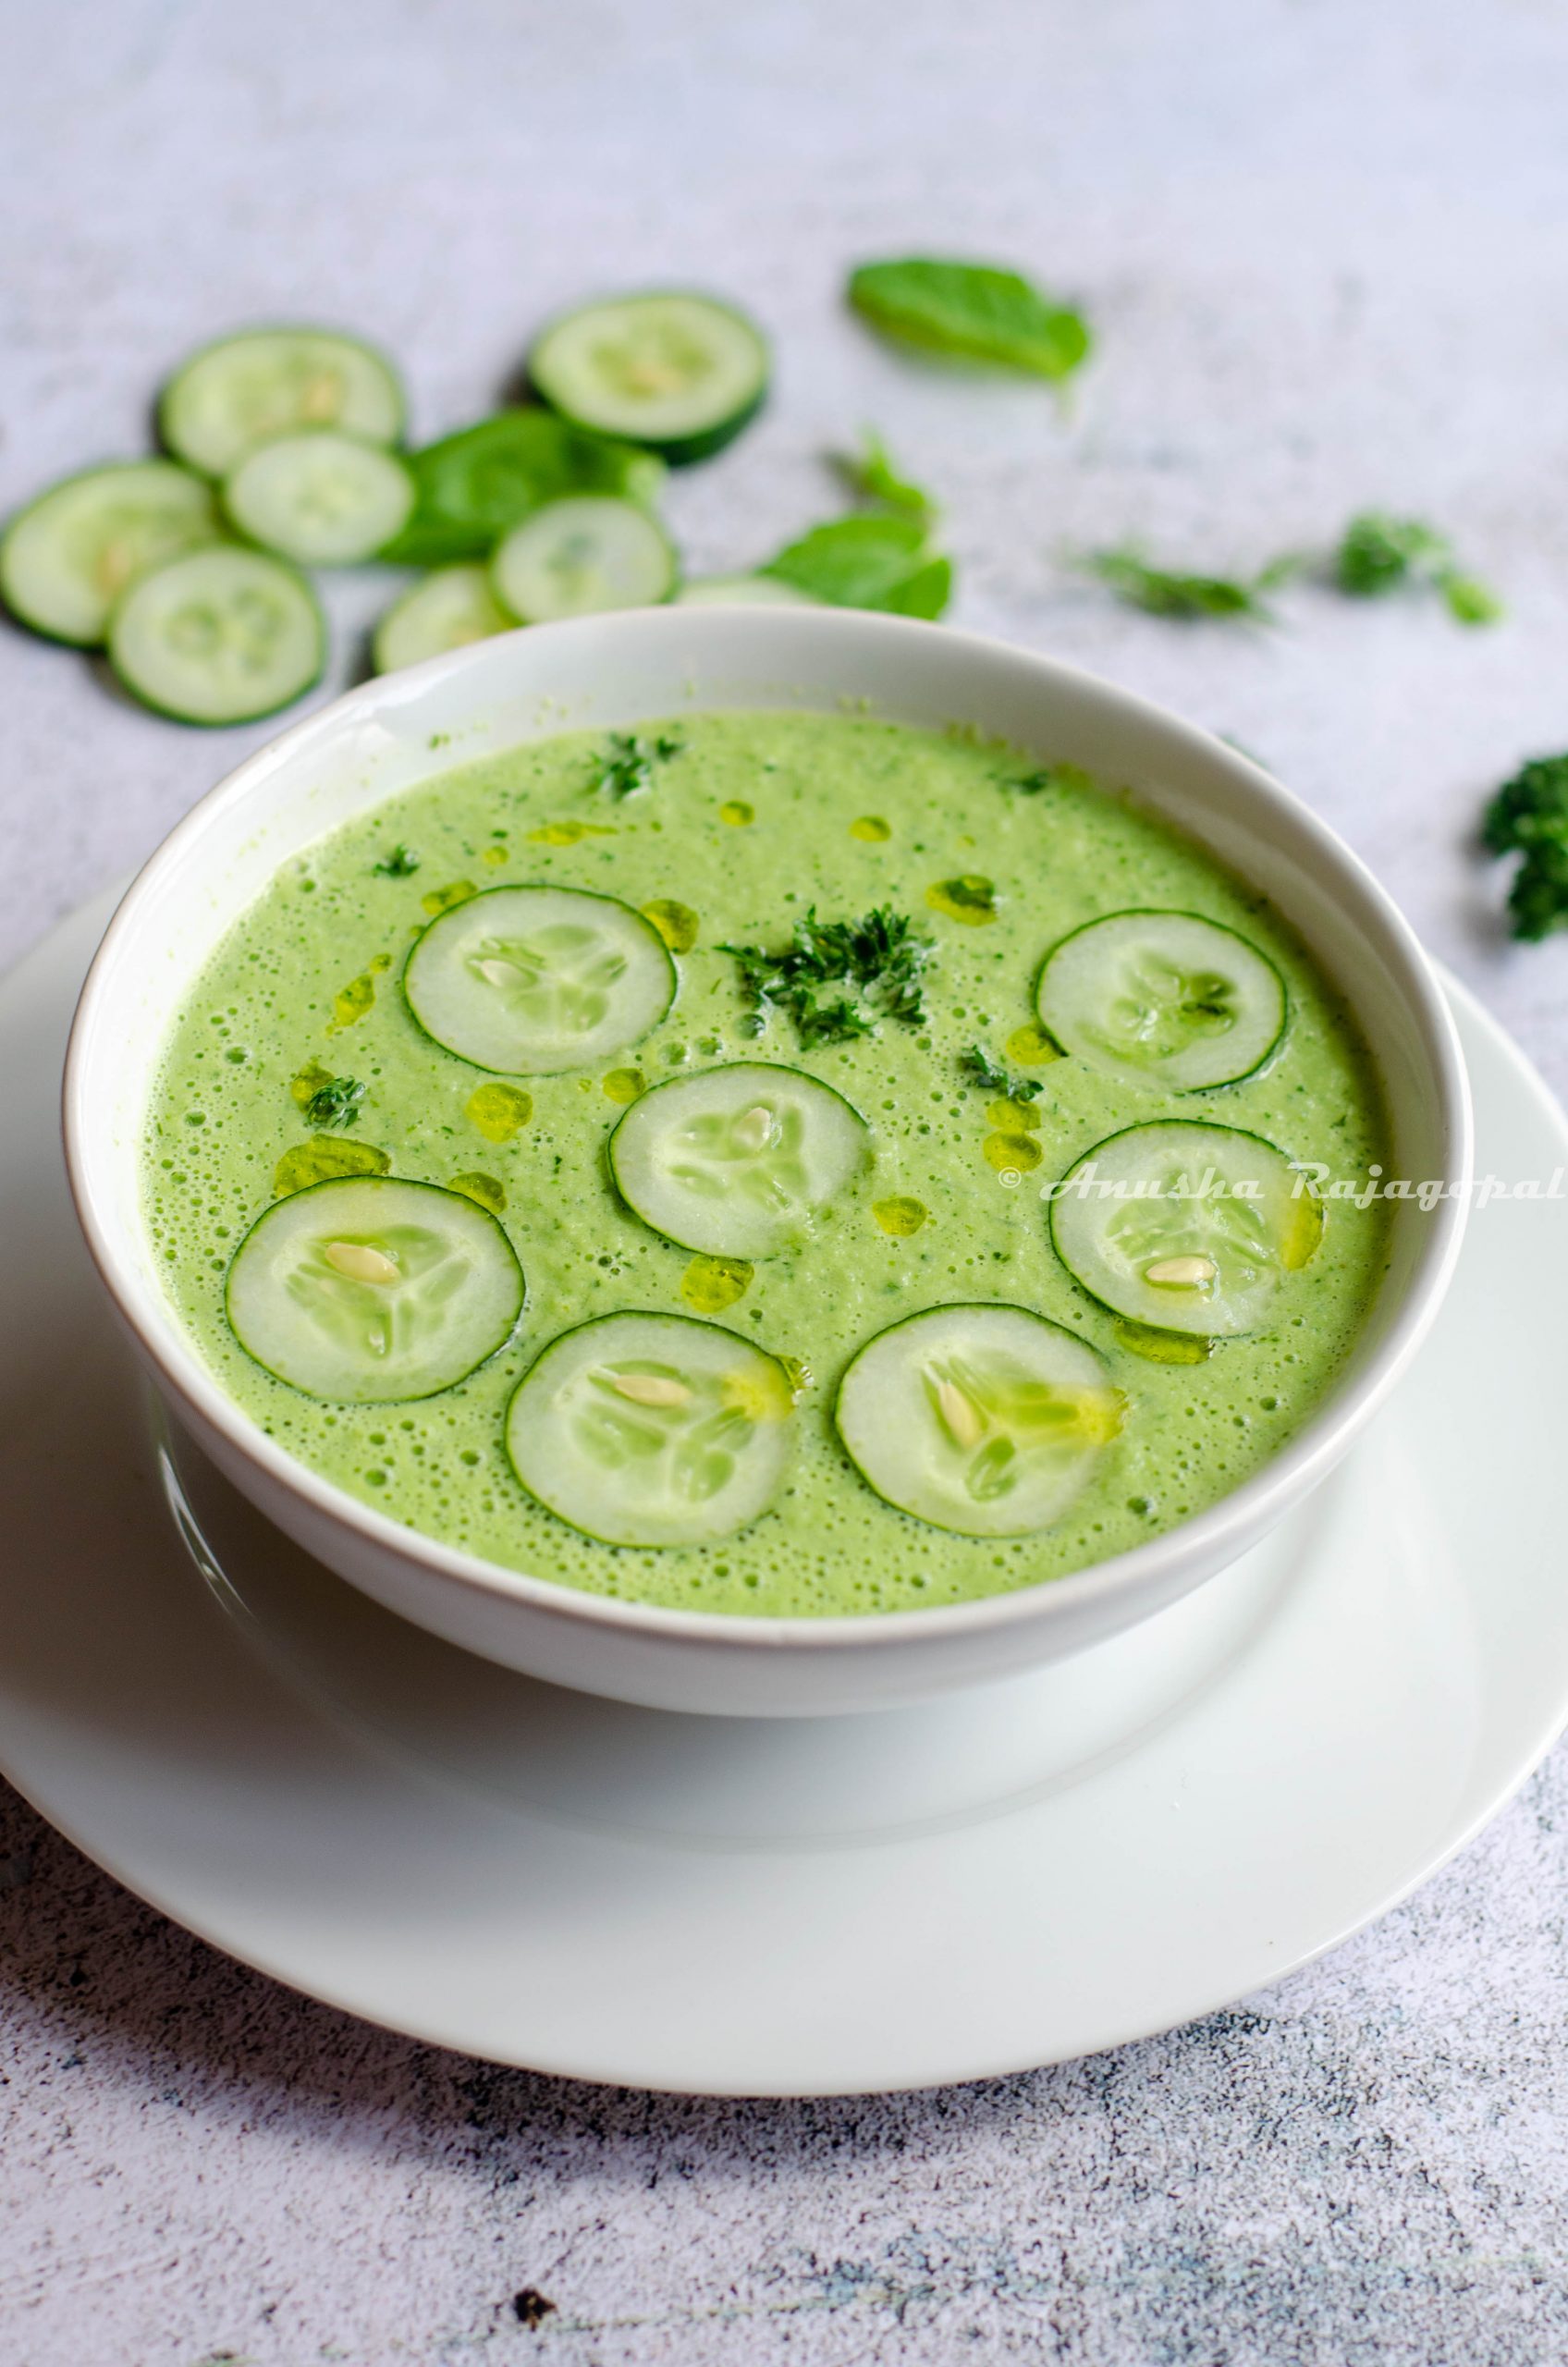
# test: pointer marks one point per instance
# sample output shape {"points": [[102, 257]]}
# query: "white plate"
{"points": [[1052, 1866]]}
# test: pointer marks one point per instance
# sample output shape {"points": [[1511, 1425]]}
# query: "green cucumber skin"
{"points": [[510, 889], [411, 1183], [256, 715], [76, 476], [676, 451], [1175, 912], [274, 328], [679, 451]]}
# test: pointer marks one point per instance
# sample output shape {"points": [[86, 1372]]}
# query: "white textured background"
{"points": [[1325, 244]]}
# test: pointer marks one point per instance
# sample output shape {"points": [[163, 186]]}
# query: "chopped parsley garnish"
{"points": [[399, 865], [1529, 816], [980, 1069], [628, 766], [335, 1103], [874, 968], [1165, 591], [1378, 554], [977, 310], [873, 474]]}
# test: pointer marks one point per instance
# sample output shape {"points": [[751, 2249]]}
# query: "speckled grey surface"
{"points": [[1325, 249]]}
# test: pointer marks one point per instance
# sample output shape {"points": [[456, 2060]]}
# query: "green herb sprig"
{"points": [[980, 1069], [1528, 817], [399, 865], [1378, 554], [629, 764], [335, 1103], [875, 966], [1166, 592], [875, 560], [873, 474]]}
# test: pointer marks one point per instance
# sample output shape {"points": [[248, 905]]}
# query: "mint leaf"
{"points": [[873, 474], [475, 484], [876, 562], [976, 310]]}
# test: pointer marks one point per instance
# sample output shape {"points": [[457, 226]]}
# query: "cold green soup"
{"points": [[865, 1163]]}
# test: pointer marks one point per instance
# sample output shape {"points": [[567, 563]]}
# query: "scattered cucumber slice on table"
{"points": [[266, 381], [320, 497], [983, 1419], [451, 607], [476, 484], [367, 1289], [1164, 1000], [735, 1161], [1169, 1242], [221, 635], [532, 981], [579, 557], [653, 1430], [680, 373], [66, 559], [742, 592]]}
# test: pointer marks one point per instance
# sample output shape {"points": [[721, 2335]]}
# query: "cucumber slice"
{"points": [[66, 557], [1187, 1227], [532, 981], [366, 1289], [264, 382], [319, 497], [680, 373], [653, 1430], [742, 592], [735, 1161], [219, 636], [475, 486], [578, 556], [983, 1419], [1164, 1000], [452, 607]]}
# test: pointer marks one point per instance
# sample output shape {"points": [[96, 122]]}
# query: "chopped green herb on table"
{"points": [[1528, 817]]}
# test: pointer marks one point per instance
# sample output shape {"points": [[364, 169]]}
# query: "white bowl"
{"points": [[611, 673]]}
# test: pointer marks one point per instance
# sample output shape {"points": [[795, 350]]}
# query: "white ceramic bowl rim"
{"points": [[1244, 1509]]}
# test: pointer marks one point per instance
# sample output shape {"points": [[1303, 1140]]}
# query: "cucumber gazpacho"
{"points": [[670, 1163]]}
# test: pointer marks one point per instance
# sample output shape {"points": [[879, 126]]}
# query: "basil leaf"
{"points": [[971, 309], [867, 563]]}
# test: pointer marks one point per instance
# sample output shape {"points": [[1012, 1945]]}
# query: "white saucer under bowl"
{"points": [[1073, 1859]]}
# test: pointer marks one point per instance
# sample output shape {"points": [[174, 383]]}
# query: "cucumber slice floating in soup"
{"points": [[532, 981], [579, 557], [452, 607], [735, 1161], [680, 373], [988, 1420], [653, 1430], [321, 498], [266, 382], [219, 636], [1163, 1000], [1187, 1227], [742, 592], [368, 1289], [67, 557]]}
